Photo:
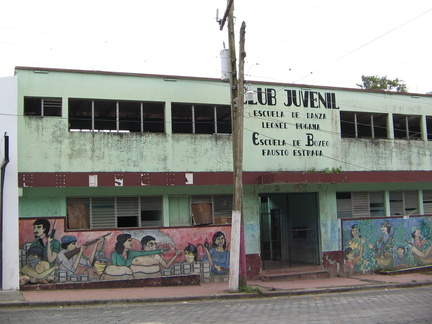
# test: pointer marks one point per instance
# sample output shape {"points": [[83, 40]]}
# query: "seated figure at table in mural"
{"points": [[36, 270], [420, 246], [401, 259], [45, 240], [383, 247], [218, 256], [191, 253], [150, 265], [122, 257], [71, 257]]}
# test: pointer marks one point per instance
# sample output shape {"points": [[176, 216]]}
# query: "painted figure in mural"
{"points": [[420, 247], [218, 256], [150, 265], [356, 243], [50, 246], [401, 260], [383, 247], [99, 264], [68, 262], [191, 253], [37, 270], [352, 261], [122, 257]]}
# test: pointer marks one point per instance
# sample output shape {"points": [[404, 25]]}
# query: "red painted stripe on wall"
{"points": [[136, 179]]}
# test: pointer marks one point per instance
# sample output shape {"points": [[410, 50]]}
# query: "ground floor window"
{"points": [[211, 209], [360, 204], [114, 212], [404, 203], [372, 204], [427, 202]]}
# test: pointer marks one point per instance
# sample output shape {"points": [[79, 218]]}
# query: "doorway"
{"points": [[289, 230]]}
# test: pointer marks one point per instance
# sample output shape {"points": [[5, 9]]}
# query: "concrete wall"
{"points": [[278, 135], [8, 124]]}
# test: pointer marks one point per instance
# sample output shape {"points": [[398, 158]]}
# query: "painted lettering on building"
{"points": [[284, 126]]}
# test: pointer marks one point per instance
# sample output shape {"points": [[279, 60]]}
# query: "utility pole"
{"points": [[237, 274]]}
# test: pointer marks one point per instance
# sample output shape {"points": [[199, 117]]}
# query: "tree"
{"points": [[374, 82]]}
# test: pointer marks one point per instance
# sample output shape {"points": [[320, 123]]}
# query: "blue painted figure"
{"points": [[218, 256]]}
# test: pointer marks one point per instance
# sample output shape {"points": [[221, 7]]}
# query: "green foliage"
{"points": [[250, 290], [326, 170], [374, 82]]}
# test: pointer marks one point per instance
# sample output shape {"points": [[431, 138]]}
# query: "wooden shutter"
{"points": [[78, 213], [202, 210]]}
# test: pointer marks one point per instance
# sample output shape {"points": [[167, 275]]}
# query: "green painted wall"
{"points": [[46, 145], [277, 136]]}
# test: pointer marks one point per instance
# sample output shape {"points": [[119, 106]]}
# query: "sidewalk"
{"points": [[78, 297]]}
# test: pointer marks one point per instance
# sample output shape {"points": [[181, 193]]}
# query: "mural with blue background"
{"points": [[386, 243]]}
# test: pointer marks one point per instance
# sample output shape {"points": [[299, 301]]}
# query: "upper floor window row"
{"points": [[375, 126], [134, 116]]}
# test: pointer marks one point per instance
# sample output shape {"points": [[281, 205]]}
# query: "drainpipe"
{"points": [[2, 178]]}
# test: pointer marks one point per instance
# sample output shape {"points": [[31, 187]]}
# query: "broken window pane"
{"points": [[42, 106], [406, 127]]}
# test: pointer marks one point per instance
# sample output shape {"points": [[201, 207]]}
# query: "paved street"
{"points": [[409, 305]]}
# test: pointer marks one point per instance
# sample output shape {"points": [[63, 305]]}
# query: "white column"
{"points": [[10, 232]]}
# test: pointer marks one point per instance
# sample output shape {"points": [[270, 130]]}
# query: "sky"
{"points": [[313, 42]]}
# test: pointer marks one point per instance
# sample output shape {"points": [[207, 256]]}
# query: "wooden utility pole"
{"points": [[238, 161], [237, 275]]}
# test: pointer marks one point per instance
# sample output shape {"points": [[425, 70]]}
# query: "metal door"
{"points": [[289, 230]]}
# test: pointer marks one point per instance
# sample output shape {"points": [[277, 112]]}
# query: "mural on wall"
{"points": [[48, 254], [390, 243]]}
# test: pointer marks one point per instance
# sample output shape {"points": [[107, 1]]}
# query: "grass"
{"points": [[250, 290]]}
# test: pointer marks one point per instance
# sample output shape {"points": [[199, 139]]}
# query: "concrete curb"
{"points": [[225, 296]]}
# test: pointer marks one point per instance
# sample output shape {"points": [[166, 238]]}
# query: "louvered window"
{"points": [[427, 202], [114, 212], [360, 204], [42, 106], [403, 203], [211, 209], [151, 211]]}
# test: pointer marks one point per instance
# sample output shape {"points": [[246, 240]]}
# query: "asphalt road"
{"points": [[406, 305]]}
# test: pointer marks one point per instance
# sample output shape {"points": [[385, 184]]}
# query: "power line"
{"points": [[366, 44]]}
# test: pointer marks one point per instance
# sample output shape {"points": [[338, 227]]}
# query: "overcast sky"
{"points": [[310, 42]]}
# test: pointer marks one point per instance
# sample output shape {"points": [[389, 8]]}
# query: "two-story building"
{"points": [[126, 164]]}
